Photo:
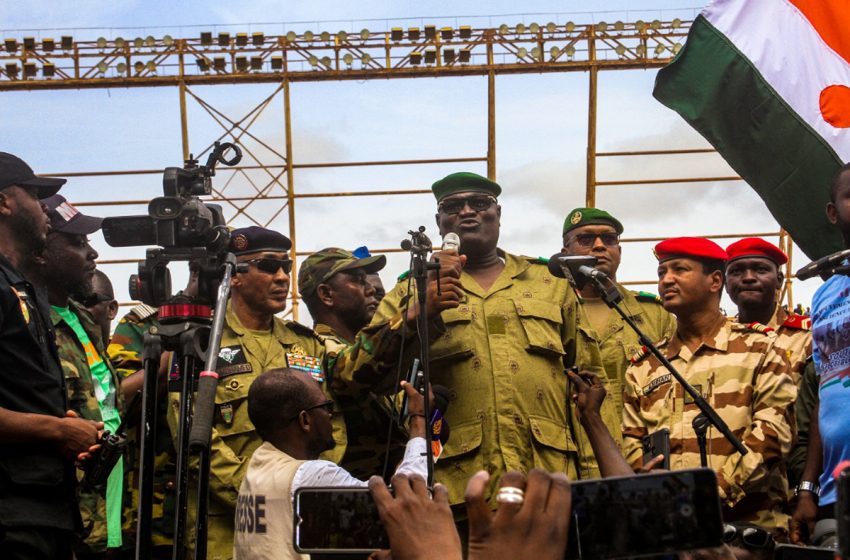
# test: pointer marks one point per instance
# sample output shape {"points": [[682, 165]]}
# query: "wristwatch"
{"points": [[807, 486]]}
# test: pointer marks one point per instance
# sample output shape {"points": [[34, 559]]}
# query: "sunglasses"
{"points": [[270, 266], [93, 299], [589, 239], [476, 203], [750, 537], [327, 405]]}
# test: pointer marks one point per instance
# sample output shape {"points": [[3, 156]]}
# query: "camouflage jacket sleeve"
{"points": [[370, 363], [633, 426], [769, 436], [126, 346], [807, 398]]}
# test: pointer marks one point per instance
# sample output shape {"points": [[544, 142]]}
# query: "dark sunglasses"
{"points": [[269, 266], [476, 203], [588, 239], [327, 405], [750, 537], [93, 299]]}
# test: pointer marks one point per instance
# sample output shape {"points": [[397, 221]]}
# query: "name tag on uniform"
{"points": [[656, 383], [231, 360], [309, 364]]}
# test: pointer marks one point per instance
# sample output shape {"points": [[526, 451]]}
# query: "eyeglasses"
{"points": [[476, 203], [271, 266], [93, 299], [589, 239], [327, 405], [751, 537]]}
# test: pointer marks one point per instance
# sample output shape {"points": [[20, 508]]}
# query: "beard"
{"points": [[30, 234]]}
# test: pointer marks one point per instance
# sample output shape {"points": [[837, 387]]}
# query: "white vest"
{"points": [[264, 517]]}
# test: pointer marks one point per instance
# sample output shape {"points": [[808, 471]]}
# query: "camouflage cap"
{"points": [[579, 217], [464, 182], [255, 239], [320, 266]]}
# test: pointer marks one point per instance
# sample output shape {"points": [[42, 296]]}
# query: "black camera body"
{"points": [[182, 225], [100, 466]]}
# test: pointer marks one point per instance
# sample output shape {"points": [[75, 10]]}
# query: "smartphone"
{"points": [[337, 520], [645, 515], [793, 552], [655, 444]]}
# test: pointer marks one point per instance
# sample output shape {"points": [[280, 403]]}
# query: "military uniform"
{"points": [[125, 351], [794, 337], [745, 378], [618, 345], [83, 400], [502, 354], [366, 418]]}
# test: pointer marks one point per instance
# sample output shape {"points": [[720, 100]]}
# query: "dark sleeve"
{"points": [[807, 397]]}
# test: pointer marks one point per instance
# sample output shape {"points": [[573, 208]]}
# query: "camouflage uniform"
{"points": [[82, 400], [241, 360], [501, 353], [794, 337], [744, 377], [618, 345], [125, 350]]}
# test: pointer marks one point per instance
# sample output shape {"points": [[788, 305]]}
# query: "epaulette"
{"points": [[758, 327], [638, 355], [647, 296], [403, 276], [143, 311], [795, 321], [303, 330]]}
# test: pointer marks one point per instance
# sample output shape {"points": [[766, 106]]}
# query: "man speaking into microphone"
{"points": [[502, 350]]}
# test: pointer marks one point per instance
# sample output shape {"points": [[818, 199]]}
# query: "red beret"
{"points": [[756, 247], [698, 248]]}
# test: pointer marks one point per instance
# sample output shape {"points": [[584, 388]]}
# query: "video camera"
{"points": [[185, 227]]}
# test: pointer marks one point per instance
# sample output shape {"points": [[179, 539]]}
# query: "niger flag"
{"points": [[767, 82]]}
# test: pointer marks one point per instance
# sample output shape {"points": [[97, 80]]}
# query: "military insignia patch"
{"points": [[231, 361], [309, 364], [226, 411], [656, 383], [575, 218], [240, 242], [688, 398]]}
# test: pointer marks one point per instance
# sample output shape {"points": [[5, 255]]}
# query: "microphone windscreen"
{"points": [[451, 242], [555, 266]]}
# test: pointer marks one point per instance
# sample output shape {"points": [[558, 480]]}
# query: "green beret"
{"points": [[591, 216], [320, 266], [464, 182]]}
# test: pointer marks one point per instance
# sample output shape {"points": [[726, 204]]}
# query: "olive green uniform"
{"points": [[618, 344], [745, 378], [501, 353], [83, 400]]}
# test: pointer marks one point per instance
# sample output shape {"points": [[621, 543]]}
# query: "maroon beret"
{"points": [[756, 247], [698, 248]]}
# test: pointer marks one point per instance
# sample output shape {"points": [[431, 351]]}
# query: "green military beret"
{"points": [[320, 266], [464, 182], [590, 216]]}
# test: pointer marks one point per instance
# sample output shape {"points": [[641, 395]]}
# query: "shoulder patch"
{"points": [[795, 321], [143, 311], [303, 330], [647, 296]]}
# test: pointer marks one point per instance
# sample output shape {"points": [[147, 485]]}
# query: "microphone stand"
{"points": [[419, 246], [707, 416]]}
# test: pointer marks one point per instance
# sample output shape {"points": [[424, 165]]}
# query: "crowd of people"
{"points": [[546, 384]]}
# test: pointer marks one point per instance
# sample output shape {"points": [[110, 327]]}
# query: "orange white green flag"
{"points": [[767, 83]]}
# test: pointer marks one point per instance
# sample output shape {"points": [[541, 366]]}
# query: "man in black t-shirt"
{"points": [[39, 438]]}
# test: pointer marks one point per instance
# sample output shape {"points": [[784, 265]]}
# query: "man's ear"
{"points": [[304, 421], [323, 292], [716, 279], [780, 276], [5, 204], [112, 310], [831, 213]]}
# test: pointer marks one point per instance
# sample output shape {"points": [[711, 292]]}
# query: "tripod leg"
{"points": [[147, 430], [187, 392]]}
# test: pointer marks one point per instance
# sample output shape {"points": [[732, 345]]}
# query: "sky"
{"points": [[541, 132]]}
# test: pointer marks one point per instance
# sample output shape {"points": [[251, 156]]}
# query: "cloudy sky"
{"points": [[541, 130]]}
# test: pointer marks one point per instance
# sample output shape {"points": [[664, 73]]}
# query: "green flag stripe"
{"points": [[719, 92]]}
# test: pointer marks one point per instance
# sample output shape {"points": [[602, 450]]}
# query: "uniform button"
{"points": [[518, 420], [234, 384], [169, 485], [550, 345], [481, 416], [519, 308], [514, 366], [463, 309], [526, 294], [452, 395], [476, 363], [546, 280], [539, 395]]}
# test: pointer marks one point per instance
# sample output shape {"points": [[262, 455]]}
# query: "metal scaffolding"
{"points": [[283, 60]]}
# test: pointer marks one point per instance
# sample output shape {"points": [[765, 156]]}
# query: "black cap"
{"points": [[14, 171], [66, 218], [255, 239]]}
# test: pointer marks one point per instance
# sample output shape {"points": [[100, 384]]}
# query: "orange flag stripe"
{"points": [[831, 19]]}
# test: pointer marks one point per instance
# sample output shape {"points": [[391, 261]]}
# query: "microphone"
{"points": [[576, 269], [822, 265], [451, 242]]}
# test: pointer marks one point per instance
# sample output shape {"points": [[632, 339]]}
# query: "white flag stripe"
{"points": [[790, 54]]}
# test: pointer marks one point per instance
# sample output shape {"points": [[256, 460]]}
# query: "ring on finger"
{"points": [[510, 495]]}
